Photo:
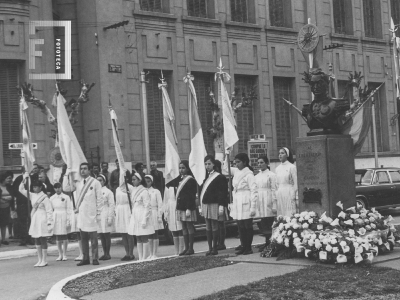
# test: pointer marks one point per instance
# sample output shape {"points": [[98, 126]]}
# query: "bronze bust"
{"points": [[325, 114]]}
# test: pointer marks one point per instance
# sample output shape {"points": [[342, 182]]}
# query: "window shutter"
{"points": [[282, 111], [339, 16], [244, 116], [151, 5], [369, 23], [155, 117], [202, 84], [197, 8], [10, 122]]}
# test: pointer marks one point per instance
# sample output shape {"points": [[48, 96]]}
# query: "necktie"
{"points": [[84, 181]]}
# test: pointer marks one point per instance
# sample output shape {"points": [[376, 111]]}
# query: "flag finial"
{"points": [[162, 77], [220, 67], [109, 101]]}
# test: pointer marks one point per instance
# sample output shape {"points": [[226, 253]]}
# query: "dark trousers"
{"points": [[23, 224], [85, 245]]}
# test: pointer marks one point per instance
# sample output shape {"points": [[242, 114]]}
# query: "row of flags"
{"points": [[73, 156]]}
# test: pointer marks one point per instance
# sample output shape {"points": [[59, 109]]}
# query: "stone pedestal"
{"points": [[325, 173]]}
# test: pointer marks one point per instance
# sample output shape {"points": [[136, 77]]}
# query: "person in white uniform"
{"points": [[107, 216], [156, 215], [123, 212], [245, 199], [141, 224], [175, 226], [286, 181], [41, 218], [62, 213], [89, 203], [266, 183]]}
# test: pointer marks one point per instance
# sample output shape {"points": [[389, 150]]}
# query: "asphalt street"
{"points": [[21, 281]]}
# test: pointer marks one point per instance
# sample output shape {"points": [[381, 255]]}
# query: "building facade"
{"points": [[256, 40]]}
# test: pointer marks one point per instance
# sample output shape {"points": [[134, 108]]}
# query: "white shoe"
{"points": [[59, 258], [80, 257], [38, 263], [65, 258], [42, 264]]}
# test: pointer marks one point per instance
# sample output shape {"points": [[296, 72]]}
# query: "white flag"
{"points": [[117, 145], [198, 150], [29, 156], [70, 149], [171, 143]]}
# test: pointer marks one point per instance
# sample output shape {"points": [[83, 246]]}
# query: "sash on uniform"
{"points": [[38, 202], [207, 183], [240, 178], [181, 184], [139, 190], [84, 191]]}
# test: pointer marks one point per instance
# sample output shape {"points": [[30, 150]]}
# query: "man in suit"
{"points": [[104, 171], [48, 187], [89, 203], [114, 178], [159, 181]]}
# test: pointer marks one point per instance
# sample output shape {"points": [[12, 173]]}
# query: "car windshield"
{"points": [[363, 177]]}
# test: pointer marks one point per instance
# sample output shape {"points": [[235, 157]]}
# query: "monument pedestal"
{"points": [[325, 173]]}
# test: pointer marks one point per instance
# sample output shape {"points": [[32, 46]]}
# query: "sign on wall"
{"points": [[257, 146], [13, 146], [114, 68]]}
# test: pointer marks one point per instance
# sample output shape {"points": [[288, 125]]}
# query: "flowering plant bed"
{"points": [[356, 235]]}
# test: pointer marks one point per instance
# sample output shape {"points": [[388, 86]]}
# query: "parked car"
{"points": [[378, 187]]}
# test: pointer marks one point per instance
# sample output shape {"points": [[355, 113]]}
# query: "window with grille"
{"points": [[395, 10], [155, 114], [342, 16], [280, 13], [201, 8], [9, 107], [283, 89], [243, 11], [155, 5], [244, 115], [202, 84], [372, 18]]}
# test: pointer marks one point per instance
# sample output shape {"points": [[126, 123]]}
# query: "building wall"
{"points": [[175, 42]]}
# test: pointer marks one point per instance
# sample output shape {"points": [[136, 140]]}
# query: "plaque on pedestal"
{"points": [[325, 173]]}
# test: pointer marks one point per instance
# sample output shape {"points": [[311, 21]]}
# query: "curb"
{"points": [[31, 252], [56, 293]]}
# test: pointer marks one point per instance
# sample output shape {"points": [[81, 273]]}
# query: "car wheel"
{"points": [[361, 202]]}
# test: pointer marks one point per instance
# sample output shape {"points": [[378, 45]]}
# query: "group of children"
{"points": [[136, 210]]}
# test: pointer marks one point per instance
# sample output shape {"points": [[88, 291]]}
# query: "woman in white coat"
{"points": [[41, 218], [141, 223], [156, 215], [62, 213], [123, 217], [175, 226], [286, 181], [245, 198], [266, 183], [107, 216]]}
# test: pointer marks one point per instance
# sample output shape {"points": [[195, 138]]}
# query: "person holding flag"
{"points": [[73, 157], [88, 206], [171, 169]]}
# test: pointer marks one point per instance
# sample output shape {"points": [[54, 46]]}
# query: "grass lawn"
{"points": [[133, 274], [320, 282]]}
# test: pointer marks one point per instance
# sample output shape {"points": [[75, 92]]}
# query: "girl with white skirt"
{"points": [[245, 198], [141, 223], [175, 226], [123, 217], [286, 182], [41, 218], [266, 182], [156, 215], [106, 224], [62, 213]]}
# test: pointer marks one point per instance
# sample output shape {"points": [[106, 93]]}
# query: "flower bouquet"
{"points": [[356, 235]]}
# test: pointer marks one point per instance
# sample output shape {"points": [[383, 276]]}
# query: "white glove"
{"points": [[26, 175]]}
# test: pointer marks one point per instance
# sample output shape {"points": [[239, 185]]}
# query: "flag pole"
{"points": [[120, 169], [230, 178], [145, 120], [374, 133], [72, 193]]}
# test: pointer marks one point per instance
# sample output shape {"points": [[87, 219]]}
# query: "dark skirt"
{"points": [[181, 216], [211, 211], [4, 216]]}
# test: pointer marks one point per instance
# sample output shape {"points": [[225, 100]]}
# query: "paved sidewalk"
{"points": [[200, 283]]}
